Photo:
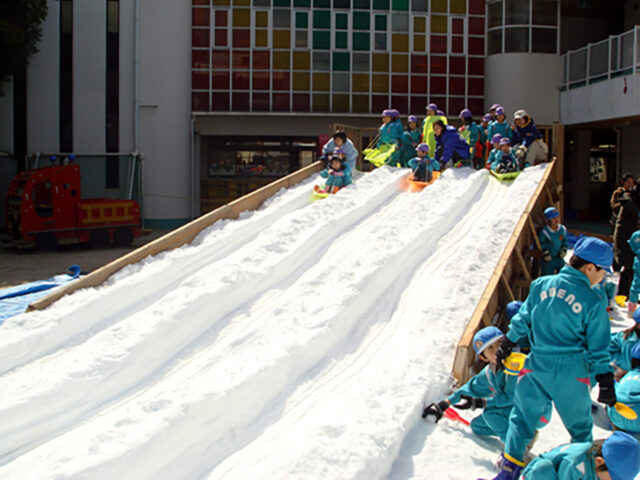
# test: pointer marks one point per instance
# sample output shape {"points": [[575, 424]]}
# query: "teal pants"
{"points": [[634, 291], [552, 267], [561, 379], [492, 422]]}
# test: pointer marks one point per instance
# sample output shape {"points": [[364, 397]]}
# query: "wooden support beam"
{"points": [[486, 319], [534, 233], [508, 288], [523, 264]]}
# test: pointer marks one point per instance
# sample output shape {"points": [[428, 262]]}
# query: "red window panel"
{"points": [[301, 102], [220, 102], [456, 86], [199, 80], [400, 84], [379, 103], [240, 102], [260, 102], [281, 102], [476, 104], [200, 102], [221, 18], [240, 81], [438, 64], [457, 66], [476, 66], [281, 82], [241, 59], [261, 59], [438, 86], [456, 105], [261, 80], [476, 45], [476, 25], [201, 2], [440, 101], [438, 44], [418, 85], [200, 37], [221, 37], [220, 59], [201, 17], [220, 80], [476, 86], [419, 63], [418, 104], [476, 7], [457, 26], [400, 103], [241, 37], [457, 44], [200, 58]]}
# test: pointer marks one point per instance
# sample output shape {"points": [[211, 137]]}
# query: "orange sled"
{"points": [[415, 186]]}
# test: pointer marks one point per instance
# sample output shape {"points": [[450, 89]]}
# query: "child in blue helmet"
{"points": [[471, 133], [616, 458], [409, 141], [491, 389], [628, 392], [634, 291], [554, 242], [623, 342], [337, 173], [494, 152], [505, 161], [500, 124], [569, 331], [423, 166]]}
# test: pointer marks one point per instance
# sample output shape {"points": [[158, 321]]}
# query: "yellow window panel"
{"points": [[300, 81], [360, 82], [400, 63], [419, 25], [320, 103], [340, 103], [458, 6], [380, 62], [419, 43], [439, 24], [360, 104], [221, 3], [241, 17], [301, 60], [400, 42], [262, 19], [380, 83], [281, 61], [321, 82], [439, 6], [242, 3], [281, 39], [262, 38]]}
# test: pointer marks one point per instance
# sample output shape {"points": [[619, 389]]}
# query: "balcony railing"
{"points": [[617, 55]]}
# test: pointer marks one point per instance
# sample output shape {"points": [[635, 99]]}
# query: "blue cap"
{"points": [[594, 250], [635, 351], [513, 308], [551, 212], [636, 315], [485, 337], [621, 453]]}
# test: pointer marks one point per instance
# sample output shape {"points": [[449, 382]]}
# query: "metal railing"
{"points": [[615, 56]]}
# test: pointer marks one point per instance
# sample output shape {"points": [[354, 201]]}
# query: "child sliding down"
{"points": [[338, 175], [423, 166]]}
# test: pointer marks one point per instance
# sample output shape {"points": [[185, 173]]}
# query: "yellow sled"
{"points": [[378, 156]]}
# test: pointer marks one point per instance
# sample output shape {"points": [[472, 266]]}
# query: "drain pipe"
{"points": [[192, 169], [136, 102]]}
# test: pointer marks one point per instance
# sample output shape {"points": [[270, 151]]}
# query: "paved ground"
{"points": [[18, 267]]}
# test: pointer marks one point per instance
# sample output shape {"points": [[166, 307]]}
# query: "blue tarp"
{"points": [[574, 238], [15, 300]]}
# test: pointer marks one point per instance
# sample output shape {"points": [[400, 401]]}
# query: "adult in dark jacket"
{"points": [[450, 146], [626, 225], [526, 134]]}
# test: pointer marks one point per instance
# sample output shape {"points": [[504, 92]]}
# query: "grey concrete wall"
{"points": [[6, 117], [43, 87], [630, 149], [126, 86], [89, 75], [523, 80], [576, 32], [165, 82]]}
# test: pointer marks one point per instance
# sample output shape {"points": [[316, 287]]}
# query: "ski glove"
{"points": [[563, 252], [471, 403], [546, 255], [607, 393], [434, 412], [504, 350]]}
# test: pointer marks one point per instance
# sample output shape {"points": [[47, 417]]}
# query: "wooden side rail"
{"points": [[182, 235]]}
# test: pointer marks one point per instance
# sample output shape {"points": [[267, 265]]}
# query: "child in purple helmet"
{"points": [[471, 132], [423, 166], [433, 116], [391, 132], [495, 151], [506, 161], [409, 141], [500, 125]]}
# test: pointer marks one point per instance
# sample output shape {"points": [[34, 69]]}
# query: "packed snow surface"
{"points": [[299, 341]]}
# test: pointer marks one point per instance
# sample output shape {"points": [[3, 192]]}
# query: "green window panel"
{"points": [[321, 40], [260, 3], [341, 40], [301, 3], [322, 19], [360, 41], [341, 3], [361, 20], [342, 21], [281, 3], [402, 5], [381, 23], [381, 4], [321, 3], [302, 20], [362, 4], [341, 61]]}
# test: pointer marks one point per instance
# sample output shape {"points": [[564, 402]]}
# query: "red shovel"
{"points": [[451, 414]]}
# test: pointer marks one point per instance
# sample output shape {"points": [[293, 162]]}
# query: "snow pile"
{"points": [[299, 341]]}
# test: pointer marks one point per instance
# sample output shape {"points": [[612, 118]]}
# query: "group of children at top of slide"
{"points": [[564, 326], [437, 145]]}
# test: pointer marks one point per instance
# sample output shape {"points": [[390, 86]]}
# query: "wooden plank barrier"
{"points": [[518, 264], [181, 236]]}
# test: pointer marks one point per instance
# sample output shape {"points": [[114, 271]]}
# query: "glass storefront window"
{"points": [[517, 12]]}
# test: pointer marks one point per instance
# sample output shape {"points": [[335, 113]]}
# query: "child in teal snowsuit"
{"points": [[500, 125], [471, 133], [409, 141], [634, 291], [390, 133], [616, 458], [554, 242], [337, 173], [491, 389], [628, 392], [495, 150], [569, 332], [622, 343], [423, 166], [505, 161]]}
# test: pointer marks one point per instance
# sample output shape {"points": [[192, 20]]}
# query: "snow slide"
{"points": [[299, 341]]}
